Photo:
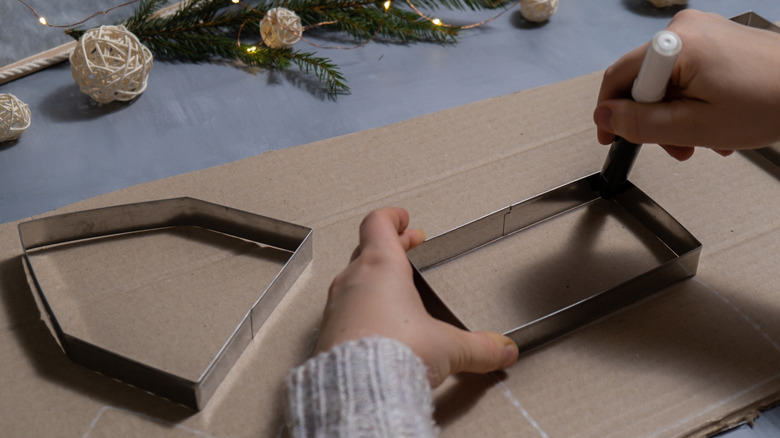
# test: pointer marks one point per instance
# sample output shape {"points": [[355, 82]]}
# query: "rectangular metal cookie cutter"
{"points": [[517, 217], [751, 19], [579, 193], [145, 216]]}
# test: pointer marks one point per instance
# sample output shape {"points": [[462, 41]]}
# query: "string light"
{"points": [[42, 19], [387, 4], [438, 22]]}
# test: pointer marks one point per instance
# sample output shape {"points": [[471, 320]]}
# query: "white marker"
{"points": [[650, 84]]}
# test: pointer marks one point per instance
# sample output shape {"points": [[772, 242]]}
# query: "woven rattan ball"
{"points": [[109, 63], [14, 117], [538, 10], [280, 28]]}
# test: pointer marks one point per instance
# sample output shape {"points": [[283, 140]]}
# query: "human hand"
{"points": [[724, 92], [375, 296]]}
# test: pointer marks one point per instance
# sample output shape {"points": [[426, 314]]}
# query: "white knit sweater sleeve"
{"points": [[372, 387]]}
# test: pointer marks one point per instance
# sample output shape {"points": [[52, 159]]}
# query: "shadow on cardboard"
{"points": [[51, 363]]}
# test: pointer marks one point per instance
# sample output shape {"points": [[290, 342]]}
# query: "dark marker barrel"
{"points": [[649, 87]]}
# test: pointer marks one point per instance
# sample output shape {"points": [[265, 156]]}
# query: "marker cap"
{"points": [[650, 84]]}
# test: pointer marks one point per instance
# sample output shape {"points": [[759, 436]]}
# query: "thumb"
{"points": [[411, 237], [671, 123], [483, 352]]}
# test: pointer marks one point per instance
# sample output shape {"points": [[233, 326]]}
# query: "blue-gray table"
{"points": [[196, 116]]}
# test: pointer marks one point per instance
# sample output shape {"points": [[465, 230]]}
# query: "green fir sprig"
{"points": [[209, 30]]}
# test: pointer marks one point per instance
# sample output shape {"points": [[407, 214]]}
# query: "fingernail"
{"points": [[510, 355], [602, 116]]}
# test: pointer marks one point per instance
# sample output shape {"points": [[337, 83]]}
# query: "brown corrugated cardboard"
{"points": [[575, 256], [169, 298], [700, 355]]}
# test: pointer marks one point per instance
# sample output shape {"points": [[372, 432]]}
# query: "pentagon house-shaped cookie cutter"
{"points": [[145, 216], [520, 216]]}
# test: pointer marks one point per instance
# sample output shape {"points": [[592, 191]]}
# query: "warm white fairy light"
{"points": [[387, 4], [43, 21]]}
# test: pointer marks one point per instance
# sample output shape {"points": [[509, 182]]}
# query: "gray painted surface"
{"points": [[196, 116], [22, 36]]}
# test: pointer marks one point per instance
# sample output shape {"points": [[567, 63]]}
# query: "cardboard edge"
{"points": [[740, 417]]}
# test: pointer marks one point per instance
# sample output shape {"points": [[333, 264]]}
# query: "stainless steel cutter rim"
{"points": [[146, 216], [515, 218]]}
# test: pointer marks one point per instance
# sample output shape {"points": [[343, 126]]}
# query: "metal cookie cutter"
{"points": [[145, 216], [751, 19], [518, 217], [577, 194]]}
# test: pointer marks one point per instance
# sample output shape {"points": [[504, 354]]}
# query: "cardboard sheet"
{"points": [[701, 355], [168, 298]]}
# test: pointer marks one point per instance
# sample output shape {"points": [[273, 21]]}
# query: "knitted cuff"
{"points": [[370, 387]]}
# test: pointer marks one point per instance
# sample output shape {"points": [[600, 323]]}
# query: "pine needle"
{"points": [[209, 30]]}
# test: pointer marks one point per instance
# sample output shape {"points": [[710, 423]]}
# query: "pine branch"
{"points": [[473, 5], [395, 24], [324, 70], [205, 30], [145, 10]]}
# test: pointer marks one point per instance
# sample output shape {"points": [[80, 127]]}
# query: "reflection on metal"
{"points": [[754, 20], [109, 221], [771, 153]]}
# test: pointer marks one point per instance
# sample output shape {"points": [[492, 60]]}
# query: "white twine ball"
{"points": [[280, 28], [538, 10], [109, 63], [14, 117], [667, 3]]}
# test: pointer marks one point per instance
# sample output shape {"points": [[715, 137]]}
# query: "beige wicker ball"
{"points": [[109, 63], [538, 10], [14, 117], [280, 28]]}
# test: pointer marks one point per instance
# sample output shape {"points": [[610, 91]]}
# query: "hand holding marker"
{"points": [[649, 87]]}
